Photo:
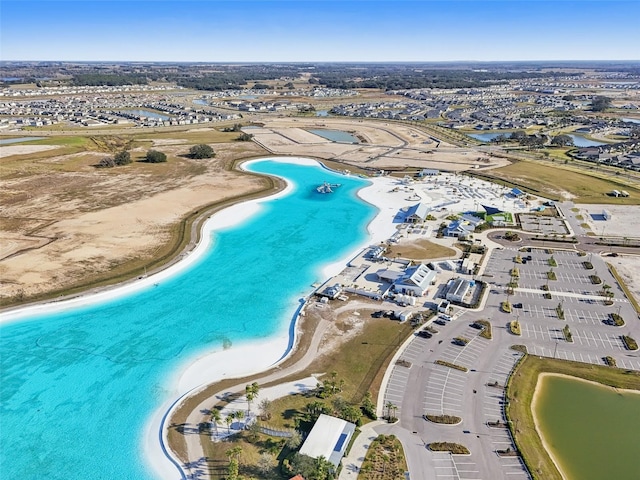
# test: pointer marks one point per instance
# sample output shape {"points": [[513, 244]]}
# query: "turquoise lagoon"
{"points": [[79, 386]]}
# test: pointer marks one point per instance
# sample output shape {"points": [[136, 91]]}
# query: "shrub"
{"points": [[514, 327], [610, 361], [629, 342], [154, 156], [596, 280], [122, 158], [519, 348], [486, 329], [515, 272], [551, 275], [616, 319], [567, 334], [446, 419], [454, 448], [506, 307], [451, 365], [201, 151], [552, 262], [587, 265], [244, 137]]}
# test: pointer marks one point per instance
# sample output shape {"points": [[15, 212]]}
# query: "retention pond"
{"points": [[590, 430]]}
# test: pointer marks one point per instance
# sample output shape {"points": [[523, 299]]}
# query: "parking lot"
{"points": [[426, 387]]}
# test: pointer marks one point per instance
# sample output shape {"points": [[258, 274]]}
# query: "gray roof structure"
{"points": [[328, 438]]}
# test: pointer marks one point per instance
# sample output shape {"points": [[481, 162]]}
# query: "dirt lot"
{"points": [[66, 222], [624, 222]]}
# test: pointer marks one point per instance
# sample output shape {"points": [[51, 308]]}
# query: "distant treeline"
{"points": [[110, 80], [208, 76], [390, 77]]}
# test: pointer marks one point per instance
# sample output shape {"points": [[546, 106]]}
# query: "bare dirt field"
{"points": [[65, 222], [628, 266], [7, 151], [384, 146], [624, 221]]}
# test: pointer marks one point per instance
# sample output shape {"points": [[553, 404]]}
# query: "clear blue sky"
{"points": [[327, 30]]}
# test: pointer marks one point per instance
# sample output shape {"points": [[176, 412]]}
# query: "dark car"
{"points": [[477, 326], [440, 322], [424, 334], [517, 305], [377, 314]]}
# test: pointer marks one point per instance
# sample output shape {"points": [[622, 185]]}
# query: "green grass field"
{"points": [[555, 181]]}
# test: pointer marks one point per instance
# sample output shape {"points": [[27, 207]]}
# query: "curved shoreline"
{"points": [[379, 228], [536, 397], [225, 215]]}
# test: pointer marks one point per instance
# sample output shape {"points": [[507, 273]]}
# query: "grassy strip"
{"points": [[451, 447], [629, 342], [506, 307], [451, 365], [514, 327], [617, 320], [520, 390], [567, 334], [551, 275], [624, 287], [445, 419], [486, 329], [519, 348]]}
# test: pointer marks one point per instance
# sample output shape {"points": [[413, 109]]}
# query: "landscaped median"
{"points": [[444, 419], [451, 365], [450, 447], [514, 327], [520, 390]]}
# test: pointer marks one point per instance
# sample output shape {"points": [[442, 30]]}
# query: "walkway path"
{"points": [[352, 462], [195, 453]]}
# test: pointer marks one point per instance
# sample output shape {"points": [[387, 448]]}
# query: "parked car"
{"points": [[440, 322], [424, 334]]}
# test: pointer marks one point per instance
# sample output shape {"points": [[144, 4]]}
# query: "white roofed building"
{"points": [[328, 438]]}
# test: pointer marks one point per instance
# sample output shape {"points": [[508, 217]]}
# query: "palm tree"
{"points": [[389, 406], [239, 415], [251, 392], [215, 418], [229, 420]]}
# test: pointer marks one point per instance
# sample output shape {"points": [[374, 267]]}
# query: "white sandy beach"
{"points": [[241, 359]]}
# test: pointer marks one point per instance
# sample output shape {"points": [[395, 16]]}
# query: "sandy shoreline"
{"points": [[536, 420], [209, 366], [238, 361]]}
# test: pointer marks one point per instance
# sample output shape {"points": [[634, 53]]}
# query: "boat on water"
{"points": [[327, 187]]}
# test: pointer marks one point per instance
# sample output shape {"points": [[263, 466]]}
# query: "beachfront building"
{"points": [[413, 280], [328, 438], [463, 227], [457, 289], [417, 213]]}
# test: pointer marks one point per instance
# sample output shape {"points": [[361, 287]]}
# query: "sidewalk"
{"points": [[351, 463]]}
